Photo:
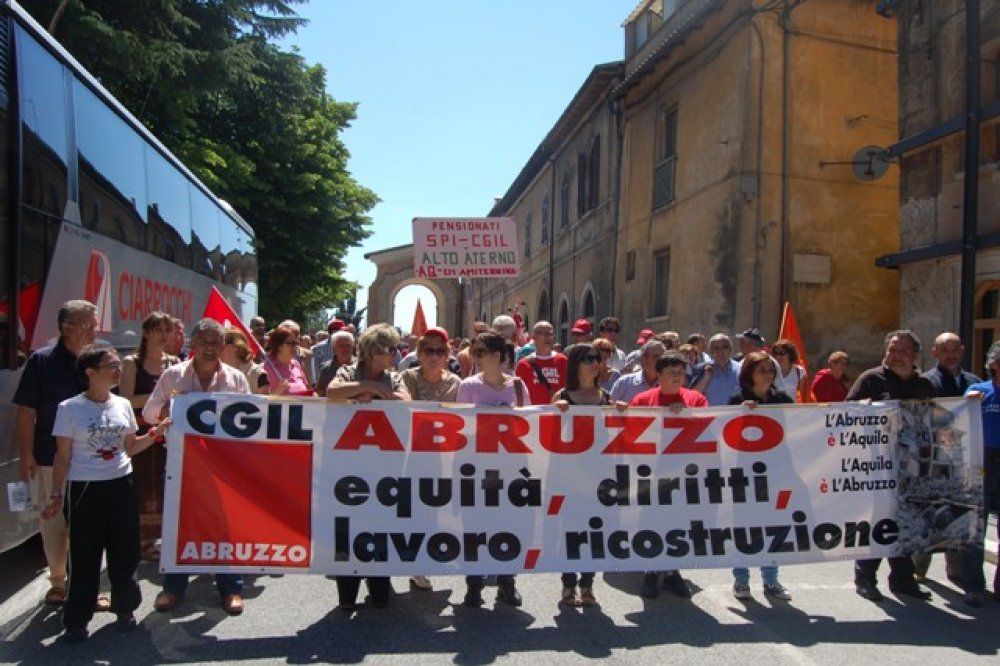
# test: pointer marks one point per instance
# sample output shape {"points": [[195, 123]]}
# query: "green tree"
{"points": [[254, 122]]}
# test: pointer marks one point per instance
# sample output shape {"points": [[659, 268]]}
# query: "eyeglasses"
{"points": [[434, 351], [592, 358], [115, 365], [611, 330], [480, 352], [85, 325], [779, 352]]}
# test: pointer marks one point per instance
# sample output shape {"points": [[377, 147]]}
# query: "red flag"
{"points": [[218, 308], [790, 331], [419, 321], [29, 301]]}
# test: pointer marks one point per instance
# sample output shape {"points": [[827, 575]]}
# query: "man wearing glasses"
{"points": [[204, 373], [544, 372], [609, 328], [719, 379], [50, 376]]}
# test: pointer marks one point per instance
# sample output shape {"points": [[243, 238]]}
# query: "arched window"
{"points": [[986, 325], [564, 322], [543, 306], [589, 308]]}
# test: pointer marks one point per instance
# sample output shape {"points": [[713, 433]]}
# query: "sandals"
{"points": [[56, 596]]}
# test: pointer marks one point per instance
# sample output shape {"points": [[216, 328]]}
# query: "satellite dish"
{"points": [[870, 163]]}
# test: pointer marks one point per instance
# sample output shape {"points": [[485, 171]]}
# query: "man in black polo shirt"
{"points": [[50, 376], [895, 379]]}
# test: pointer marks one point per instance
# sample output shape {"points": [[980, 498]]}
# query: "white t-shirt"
{"points": [[98, 431], [789, 383]]}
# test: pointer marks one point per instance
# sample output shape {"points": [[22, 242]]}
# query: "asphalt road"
{"points": [[293, 619]]}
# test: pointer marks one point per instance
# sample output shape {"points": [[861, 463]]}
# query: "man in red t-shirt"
{"points": [[544, 372], [671, 391], [672, 395]]}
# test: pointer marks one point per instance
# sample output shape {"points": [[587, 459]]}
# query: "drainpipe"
{"points": [[758, 205], [615, 107], [970, 209], [552, 238], [786, 48]]}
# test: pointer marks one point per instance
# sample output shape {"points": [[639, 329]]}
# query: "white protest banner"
{"points": [[484, 247], [396, 488]]}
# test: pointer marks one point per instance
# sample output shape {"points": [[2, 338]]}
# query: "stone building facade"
{"points": [[733, 176], [931, 154]]}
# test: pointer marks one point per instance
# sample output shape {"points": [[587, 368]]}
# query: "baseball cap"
{"points": [[437, 331], [581, 326], [753, 334], [644, 336], [335, 325]]}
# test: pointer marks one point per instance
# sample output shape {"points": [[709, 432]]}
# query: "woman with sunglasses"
{"points": [[140, 372], [371, 378], [96, 439], [434, 382], [490, 387], [793, 379], [285, 373], [582, 370], [757, 387], [606, 376]]}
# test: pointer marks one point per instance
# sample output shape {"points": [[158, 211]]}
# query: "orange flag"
{"points": [[419, 321], [218, 308], [790, 331]]}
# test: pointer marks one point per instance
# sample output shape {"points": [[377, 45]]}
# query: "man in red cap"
{"points": [[632, 360], [582, 331]]}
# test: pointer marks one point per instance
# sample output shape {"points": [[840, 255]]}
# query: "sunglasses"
{"points": [[779, 352], [592, 358], [480, 352], [611, 330], [435, 351]]}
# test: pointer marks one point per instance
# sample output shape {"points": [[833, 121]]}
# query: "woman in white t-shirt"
{"points": [[792, 379], [95, 439]]}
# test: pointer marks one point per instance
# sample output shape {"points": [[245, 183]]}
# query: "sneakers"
{"points": [[650, 589], [509, 595], [421, 582], [75, 635], [778, 591], [674, 582], [910, 590], [569, 597], [742, 590], [975, 599], [868, 591]]}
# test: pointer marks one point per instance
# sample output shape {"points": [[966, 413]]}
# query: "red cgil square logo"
{"points": [[245, 503]]}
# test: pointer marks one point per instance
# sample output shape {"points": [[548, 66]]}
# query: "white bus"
{"points": [[93, 206]]}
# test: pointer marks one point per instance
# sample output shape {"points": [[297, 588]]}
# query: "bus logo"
{"points": [[98, 288]]}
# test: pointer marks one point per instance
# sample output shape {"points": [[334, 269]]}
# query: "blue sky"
{"points": [[454, 97]]}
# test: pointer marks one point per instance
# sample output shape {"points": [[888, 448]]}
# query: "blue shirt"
{"points": [[724, 383], [50, 376], [991, 413], [631, 385]]}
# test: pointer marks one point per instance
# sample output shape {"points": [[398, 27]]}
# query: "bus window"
{"points": [[45, 187], [229, 237], [169, 215], [205, 247], [112, 189], [5, 317]]}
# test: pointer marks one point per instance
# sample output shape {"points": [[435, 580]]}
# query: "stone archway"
{"points": [[395, 271]]}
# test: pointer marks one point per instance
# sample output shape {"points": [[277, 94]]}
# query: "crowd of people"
{"points": [[90, 426]]}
